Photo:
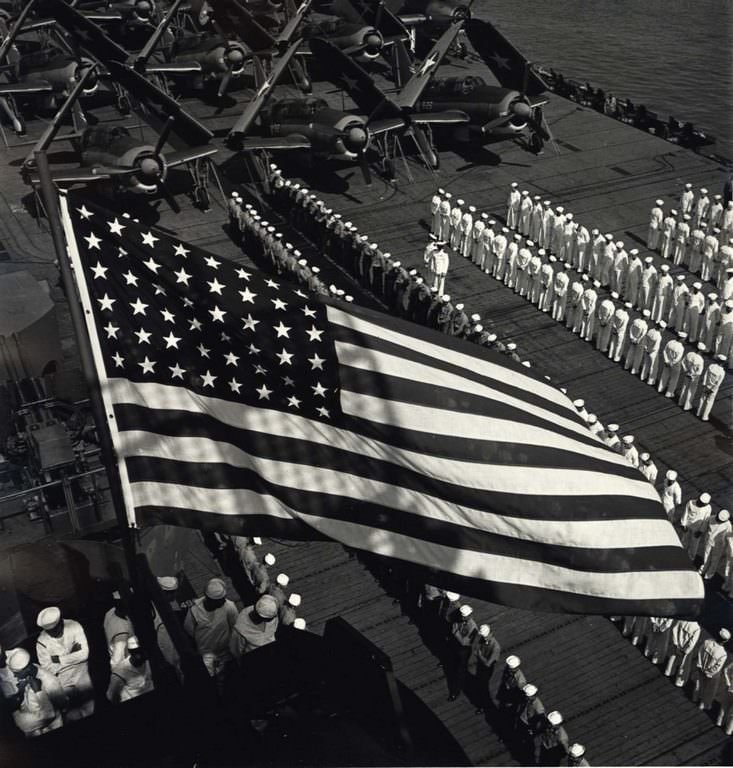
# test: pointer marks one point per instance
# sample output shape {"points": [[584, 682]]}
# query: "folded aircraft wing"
{"points": [[510, 67], [27, 86], [186, 126], [449, 117], [414, 87], [295, 17], [264, 89], [188, 155], [293, 141], [76, 175], [341, 70]]}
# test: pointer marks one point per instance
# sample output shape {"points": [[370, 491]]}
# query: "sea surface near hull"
{"points": [[674, 56]]}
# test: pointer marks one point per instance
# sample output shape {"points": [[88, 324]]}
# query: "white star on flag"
{"points": [[106, 302], [183, 276], [176, 371], [93, 241], [99, 271], [284, 357], [215, 286], [314, 334], [208, 379], [152, 265], [115, 227], [263, 392], [147, 365], [150, 239], [319, 390], [171, 341], [217, 314], [111, 331], [250, 323], [181, 251], [282, 330], [138, 308], [247, 295], [143, 336]]}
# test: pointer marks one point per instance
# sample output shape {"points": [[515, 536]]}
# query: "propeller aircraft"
{"points": [[112, 154]]}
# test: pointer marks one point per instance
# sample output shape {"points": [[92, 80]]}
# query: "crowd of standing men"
{"points": [[682, 646], [222, 634], [599, 290], [55, 688], [470, 653]]}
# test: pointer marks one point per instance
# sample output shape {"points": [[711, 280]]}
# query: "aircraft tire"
{"points": [[535, 143], [201, 195]]}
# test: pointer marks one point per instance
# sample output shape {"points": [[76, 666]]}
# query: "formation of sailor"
{"points": [[699, 236], [670, 314]]}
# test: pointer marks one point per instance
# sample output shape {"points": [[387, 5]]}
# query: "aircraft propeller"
{"points": [[234, 58], [540, 127]]}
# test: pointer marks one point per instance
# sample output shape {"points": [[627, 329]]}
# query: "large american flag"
{"points": [[242, 403]]}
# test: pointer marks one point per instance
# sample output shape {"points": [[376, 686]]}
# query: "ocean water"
{"points": [[674, 56]]}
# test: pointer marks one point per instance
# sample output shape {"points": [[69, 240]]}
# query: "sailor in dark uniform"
{"points": [[436, 304], [421, 303], [553, 741], [459, 322], [445, 315]]}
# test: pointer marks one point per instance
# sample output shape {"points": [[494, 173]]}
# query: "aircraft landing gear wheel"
{"points": [[389, 168], [436, 164], [19, 125], [123, 105], [536, 144], [201, 197]]}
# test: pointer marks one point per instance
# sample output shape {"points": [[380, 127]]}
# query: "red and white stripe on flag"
{"points": [[242, 403]]}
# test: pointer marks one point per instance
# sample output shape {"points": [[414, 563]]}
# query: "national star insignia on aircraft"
{"points": [[500, 61]]}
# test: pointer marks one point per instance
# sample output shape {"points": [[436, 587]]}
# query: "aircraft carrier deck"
{"points": [[608, 174]]}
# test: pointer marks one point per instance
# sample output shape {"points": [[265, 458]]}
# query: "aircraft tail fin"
{"points": [[510, 67]]}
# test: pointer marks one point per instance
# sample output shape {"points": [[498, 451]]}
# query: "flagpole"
{"points": [[49, 194]]}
